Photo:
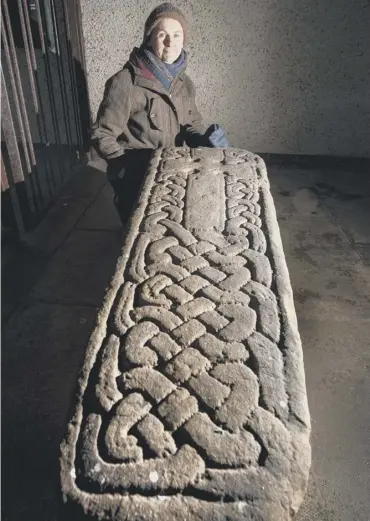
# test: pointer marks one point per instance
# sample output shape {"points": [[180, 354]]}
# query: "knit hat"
{"points": [[165, 10]]}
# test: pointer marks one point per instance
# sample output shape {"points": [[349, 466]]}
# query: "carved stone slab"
{"points": [[192, 401]]}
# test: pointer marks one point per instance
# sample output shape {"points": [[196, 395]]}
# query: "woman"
{"points": [[150, 104]]}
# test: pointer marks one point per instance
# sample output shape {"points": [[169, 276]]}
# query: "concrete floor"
{"points": [[52, 288]]}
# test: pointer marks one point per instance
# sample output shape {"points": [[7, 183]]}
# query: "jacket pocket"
{"points": [[155, 113]]}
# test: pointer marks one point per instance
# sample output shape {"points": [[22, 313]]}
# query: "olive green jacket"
{"points": [[139, 113]]}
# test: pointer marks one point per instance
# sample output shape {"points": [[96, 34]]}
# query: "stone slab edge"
{"points": [[135, 507]]}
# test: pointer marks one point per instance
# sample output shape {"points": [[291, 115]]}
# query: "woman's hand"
{"points": [[214, 136]]}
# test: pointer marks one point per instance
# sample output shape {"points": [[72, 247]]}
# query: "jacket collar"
{"points": [[153, 84]]}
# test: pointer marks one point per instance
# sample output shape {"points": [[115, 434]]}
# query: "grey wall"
{"points": [[283, 76]]}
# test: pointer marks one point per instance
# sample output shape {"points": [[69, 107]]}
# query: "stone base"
{"points": [[192, 402]]}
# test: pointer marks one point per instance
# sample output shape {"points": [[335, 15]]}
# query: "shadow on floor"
{"points": [[52, 288]]}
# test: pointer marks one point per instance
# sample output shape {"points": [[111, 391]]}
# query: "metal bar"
{"points": [[15, 202], [78, 52], [11, 143], [52, 45], [20, 112], [62, 82], [49, 81], [33, 75], [40, 115], [20, 108], [9, 134], [4, 178], [31, 59], [20, 166], [13, 55], [72, 74], [29, 35]]}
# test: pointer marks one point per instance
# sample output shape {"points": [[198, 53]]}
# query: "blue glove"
{"points": [[216, 137]]}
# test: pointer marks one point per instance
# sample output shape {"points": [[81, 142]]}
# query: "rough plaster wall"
{"points": [[282, 77]]}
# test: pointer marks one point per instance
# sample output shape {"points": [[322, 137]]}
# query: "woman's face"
{"points": [[167, 40]]}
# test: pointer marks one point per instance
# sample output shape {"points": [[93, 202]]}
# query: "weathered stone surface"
{"points": [[192, 401]]}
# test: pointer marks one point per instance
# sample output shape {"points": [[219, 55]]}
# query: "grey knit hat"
{"points": [[165, 10]]}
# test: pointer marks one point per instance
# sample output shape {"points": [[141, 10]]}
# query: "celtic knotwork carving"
{"points": [[193, 367]]}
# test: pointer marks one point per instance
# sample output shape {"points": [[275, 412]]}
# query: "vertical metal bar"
{"points": [[40, 113], [29, 36], [9, 134], [31, 60], [52, 45], [4, 178], [49, 82], [15, 202], [21, 112], [12, 46], [35, 87], [62, 81], [72, 74], [11, 143], [20, 158], [74, 17]]}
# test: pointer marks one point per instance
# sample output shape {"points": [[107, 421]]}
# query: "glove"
{"points": [[192, 138], [216, 137]]}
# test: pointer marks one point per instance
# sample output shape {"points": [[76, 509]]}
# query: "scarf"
{"points": [[154, 68]]}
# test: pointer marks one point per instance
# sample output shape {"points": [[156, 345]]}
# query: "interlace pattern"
{"points": [[190, 393]]}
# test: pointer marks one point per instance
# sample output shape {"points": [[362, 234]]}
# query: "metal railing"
{"points": [[41, 134]]}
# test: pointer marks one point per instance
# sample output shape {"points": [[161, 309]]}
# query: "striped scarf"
{"points": [[154, 68]]}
